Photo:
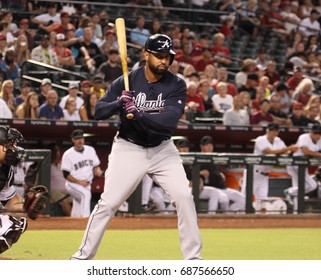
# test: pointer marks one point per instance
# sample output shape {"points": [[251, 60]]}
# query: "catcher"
{"points": [[11, 228]]}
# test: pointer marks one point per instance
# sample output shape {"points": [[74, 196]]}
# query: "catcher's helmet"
{"points": [[160, 43], [3, 134], [10, 136]]}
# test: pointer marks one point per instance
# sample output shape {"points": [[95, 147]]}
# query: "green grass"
{"points": [[218, 244]]}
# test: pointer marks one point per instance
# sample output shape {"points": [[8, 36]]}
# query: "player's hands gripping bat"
{"points": [[122, 44]]}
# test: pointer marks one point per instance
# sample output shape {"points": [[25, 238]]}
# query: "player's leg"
{"points": [[157, 196], [147, 184], [260, 191], [126, 168], [210, 194], [237, 200], [168, 172], [80, 198]]}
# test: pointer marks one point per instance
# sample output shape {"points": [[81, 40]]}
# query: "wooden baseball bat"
{"points": [[122, 44]]}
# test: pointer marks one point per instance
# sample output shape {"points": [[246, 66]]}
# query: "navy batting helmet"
{"points": [[160, 43]]}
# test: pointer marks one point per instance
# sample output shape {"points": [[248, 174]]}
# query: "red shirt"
{"points": [[259, 119], [293, 82], [220, 50], [197, 99]]}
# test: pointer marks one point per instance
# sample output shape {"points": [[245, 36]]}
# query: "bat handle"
{"points": [[130, 116]]}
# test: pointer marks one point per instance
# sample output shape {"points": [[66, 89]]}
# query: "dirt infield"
{"points": [[170, 221]]}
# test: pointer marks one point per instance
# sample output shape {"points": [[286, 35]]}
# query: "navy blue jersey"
{"points": [[160, 105]]}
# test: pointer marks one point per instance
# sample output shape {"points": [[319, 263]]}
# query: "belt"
{"points": [[18, 185], [262, 173]]}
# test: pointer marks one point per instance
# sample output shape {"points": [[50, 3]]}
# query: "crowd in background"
{"points": [[77, 38]]}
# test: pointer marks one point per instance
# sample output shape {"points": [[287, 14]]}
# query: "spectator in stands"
{"points": [[222, 100], [262, 57], [268, 144], [44, 54], [272, 20], [71, 113], [84, 22], [193, 100], [227, 26], [7, 16], [187, 72], [29, 108], [65, 57], [312, 113], [97, 86], [87, 110], [236, 115], [262, 117], [139, 34], [305, 8], [5, 112], [73, 89], [21, 49], [59, 27], [292, 20], [295, 80], [174, 68], [24, 91], [184, 59], [3, 46], [279, 117], [246, 102], [7, 95], [206, 93], [212, 176], [111, 69], [311, 44], [85, 89], [264, 82], [281, 90], [248, 17], [206, 59], [26, 31], [58, 192], [310, 25], [313, 101], [250, 85], [202, 43], [51, 110], [9, 67], [225, 6], [4, 30], [222, 76], [209, 73], [312, 66], [156, 27], [220, 52], [97, 29], [49, 17], [91, 47], [272, 72], [248, 66], [297, 117], [79, 52], [303, 91], [110, 39], [45, 86]]}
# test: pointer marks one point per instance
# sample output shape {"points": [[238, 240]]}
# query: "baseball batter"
{"points": [[79, 165], [268, 144], [309, 144], [143, 145]]}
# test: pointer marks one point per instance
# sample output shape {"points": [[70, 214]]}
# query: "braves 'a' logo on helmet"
{"points": [[164, 45]]}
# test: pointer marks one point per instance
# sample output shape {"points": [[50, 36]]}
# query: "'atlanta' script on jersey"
{"points": [[149, 105]]}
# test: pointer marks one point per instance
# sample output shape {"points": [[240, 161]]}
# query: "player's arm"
{"points": [[307, 152], [72, 179], [173, 110], [98, 172]]}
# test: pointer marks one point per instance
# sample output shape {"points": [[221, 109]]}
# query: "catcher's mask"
{"points": [[10, 137], [160, 43]]}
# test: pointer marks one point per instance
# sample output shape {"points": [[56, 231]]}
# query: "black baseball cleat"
{"points": [[147, 208]]}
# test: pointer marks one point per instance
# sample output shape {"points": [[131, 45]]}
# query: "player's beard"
{"points": [[156, 70]]}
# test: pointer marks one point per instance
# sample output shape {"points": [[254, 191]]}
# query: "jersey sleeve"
{"points": [[66, 164], [173, 109]]}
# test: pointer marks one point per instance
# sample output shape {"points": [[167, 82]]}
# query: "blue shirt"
{"points": [[46, 112], [160, 105], [139, 35]]}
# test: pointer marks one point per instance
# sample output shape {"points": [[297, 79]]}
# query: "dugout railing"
{"points": [[249, 160]]}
